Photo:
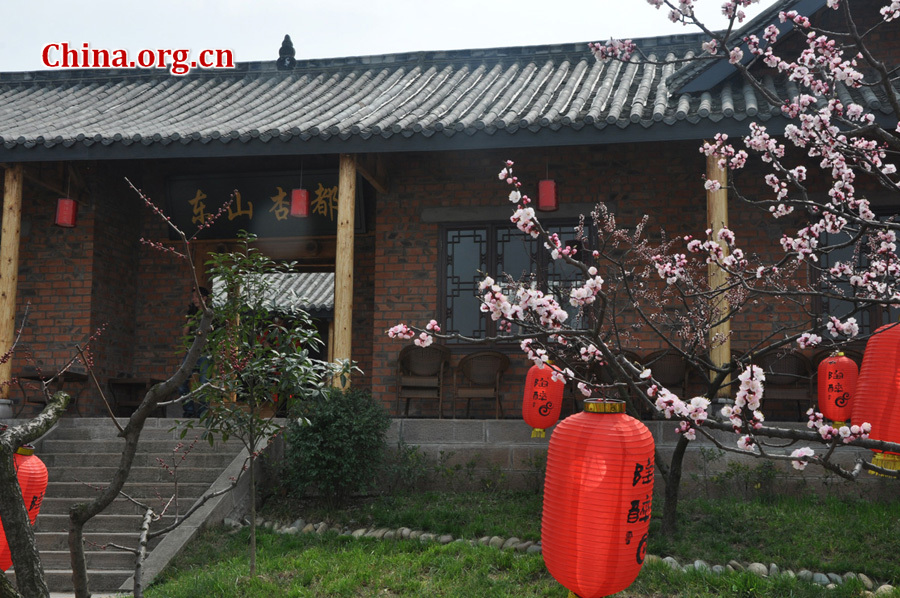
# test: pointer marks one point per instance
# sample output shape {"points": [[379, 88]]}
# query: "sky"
{"points": [[253, 30]]}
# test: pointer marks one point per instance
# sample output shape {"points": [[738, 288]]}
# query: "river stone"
{"points": [[866, 581], [445, 539], [523, 546], [850, 575], [758, 569], [835, 578], [718, 569], [701, 565], [884, 590], [414, 535], [390, 535], [805, 575], [831, 586], [774, 570], [309, 528], [496, 542], [671, 562], [735, 565], [510, 543], [426, 537], [534, 549], [484, 540], [360, 532], [299, 523], [821, 579]]}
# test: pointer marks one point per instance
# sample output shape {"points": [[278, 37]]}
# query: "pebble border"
{"points": [[300, 526]]}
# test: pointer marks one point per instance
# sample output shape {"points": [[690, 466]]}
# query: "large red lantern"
{"points": [[837, 375], [877, 390], [543, 399], [32, 476], [597, 497]]}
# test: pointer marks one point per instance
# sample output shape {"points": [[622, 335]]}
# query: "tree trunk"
{"points": [[252, 508], [673, 488]]}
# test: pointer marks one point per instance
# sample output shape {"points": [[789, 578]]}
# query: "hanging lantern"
{"points": [[597, 498], [875, 400], [32, 476], [543, 399], [299, 203], [837, 375], [66, 210], [547, 201]]}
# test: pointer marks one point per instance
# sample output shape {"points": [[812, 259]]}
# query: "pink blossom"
{"points": [[800, 455]]}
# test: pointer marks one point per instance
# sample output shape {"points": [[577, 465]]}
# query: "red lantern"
{"points": [[65, 212], [543, 399], [875, 400], [32, 476], [299, 203], [837, 376], [547, 201], [597, 498]]}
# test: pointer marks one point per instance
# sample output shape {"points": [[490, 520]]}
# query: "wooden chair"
{"points": [[420, 375], [788, 377], [478, 377]]}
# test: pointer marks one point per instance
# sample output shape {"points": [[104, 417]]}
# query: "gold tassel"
{"points": [[538, 433]]}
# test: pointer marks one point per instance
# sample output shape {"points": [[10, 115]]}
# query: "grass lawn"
{"points": [[820, 534]]}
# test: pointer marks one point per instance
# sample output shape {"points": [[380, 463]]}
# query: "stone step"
{"points": [[116, 560], [79, 492], [93, 540], [100, 523], [98, 429], [141, 459], [120, 506], [157, 474], [114, 445], [99, 580]]}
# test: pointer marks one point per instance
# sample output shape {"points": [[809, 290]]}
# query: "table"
{"points": [[34, 374]]}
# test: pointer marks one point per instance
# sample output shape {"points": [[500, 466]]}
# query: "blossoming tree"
{"points": [[836, 258]]}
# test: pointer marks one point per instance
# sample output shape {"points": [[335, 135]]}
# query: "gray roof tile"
{"points": [[485, 94]]}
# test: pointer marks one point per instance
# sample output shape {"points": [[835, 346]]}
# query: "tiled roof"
{"points": [[536, 95], [312, 292]]}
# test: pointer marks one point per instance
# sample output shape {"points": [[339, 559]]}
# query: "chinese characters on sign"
{"points": [[259, 204]]}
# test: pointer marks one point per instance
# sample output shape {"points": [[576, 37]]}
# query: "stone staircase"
{"points": [[81, 455]]}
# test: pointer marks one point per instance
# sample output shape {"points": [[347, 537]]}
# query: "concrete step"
{"points": [[112, 559], [78, 491], [99, 580], [94, 540], [115, 445], [120, 506], [100, 523], [82, 455], [141, 459], [156, 474]]}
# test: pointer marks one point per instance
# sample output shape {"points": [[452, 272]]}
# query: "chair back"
{"points": [[423, 361], [482, 368]]}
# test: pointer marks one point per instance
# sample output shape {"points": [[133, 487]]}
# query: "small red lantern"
{"points": [[66, 209], [543, 399], [877, 388], [32, 476], [547, 201], [299, 203], [837, 376], [597, 499]]}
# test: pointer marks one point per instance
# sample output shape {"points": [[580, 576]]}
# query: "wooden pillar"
{"points": [[9, 266], [717, 218], [343, 265]]}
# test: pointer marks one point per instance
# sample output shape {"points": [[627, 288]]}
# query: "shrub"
{"points": [[335, 445]]}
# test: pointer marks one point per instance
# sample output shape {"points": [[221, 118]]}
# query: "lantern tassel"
{"points": [[538, 433], [887, 461]]}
